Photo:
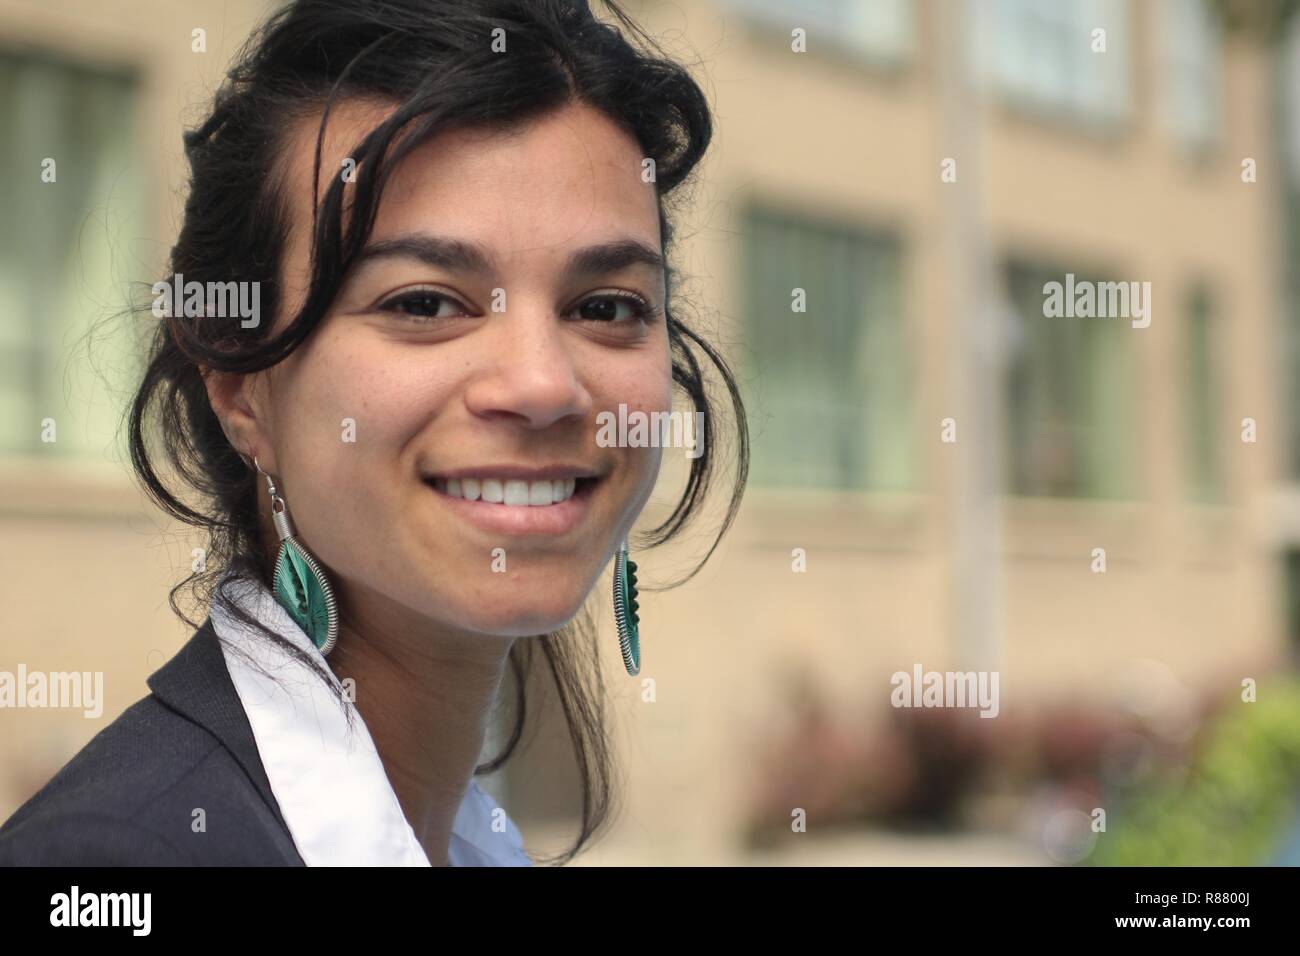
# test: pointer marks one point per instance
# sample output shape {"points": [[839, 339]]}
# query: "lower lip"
{"points": [[521, 520]]}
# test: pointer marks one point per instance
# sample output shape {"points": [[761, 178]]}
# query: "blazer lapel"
{"points": [[196, 684]]}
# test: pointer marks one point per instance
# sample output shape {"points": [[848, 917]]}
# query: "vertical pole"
{"points": [[975, 359]]}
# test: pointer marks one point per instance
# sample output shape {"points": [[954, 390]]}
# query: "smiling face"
{"points": [[496, 312]]}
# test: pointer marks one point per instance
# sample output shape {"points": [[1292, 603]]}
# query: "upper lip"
{"points": [[517, 472]]}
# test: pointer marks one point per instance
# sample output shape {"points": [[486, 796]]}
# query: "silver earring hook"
{"points": [[277, 503]]}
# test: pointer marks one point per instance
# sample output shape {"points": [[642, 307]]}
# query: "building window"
{"points": [[833, 382], [1071, 418], [1041, 56], [1190, 71], [65, 251], [1291, 578], [881, 31], [1202, 427]]}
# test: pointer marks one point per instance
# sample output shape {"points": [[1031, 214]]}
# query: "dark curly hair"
{"points": [[434, 60]]}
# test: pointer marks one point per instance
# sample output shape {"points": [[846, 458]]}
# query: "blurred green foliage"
{"points": [[1234, 805], [1264, 20]]}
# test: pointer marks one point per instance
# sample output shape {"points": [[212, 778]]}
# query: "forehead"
{"points": [[567, 178]]}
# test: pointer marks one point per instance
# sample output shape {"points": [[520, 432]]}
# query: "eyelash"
{"points": [[644, 311]]}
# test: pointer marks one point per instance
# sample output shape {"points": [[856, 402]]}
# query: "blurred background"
{"points": [[1106, 516]]}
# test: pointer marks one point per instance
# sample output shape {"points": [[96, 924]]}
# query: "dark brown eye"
{"points": [[421, 304], [604, 308]]}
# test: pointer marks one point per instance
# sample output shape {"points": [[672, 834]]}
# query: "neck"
{"points": [[426, 694]]}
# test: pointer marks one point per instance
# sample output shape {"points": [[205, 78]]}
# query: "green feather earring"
{"points": [[299, 585], [625, 605]]}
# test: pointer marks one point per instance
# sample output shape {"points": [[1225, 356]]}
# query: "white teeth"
{"points": [[513, 492]]}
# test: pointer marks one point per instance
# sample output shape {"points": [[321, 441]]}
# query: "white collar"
{"points": [[331, 787]]}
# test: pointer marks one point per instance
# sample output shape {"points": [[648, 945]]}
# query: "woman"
{"points": [[452, 218]]}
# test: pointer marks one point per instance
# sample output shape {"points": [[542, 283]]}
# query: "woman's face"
{"points": [[473, 339]]}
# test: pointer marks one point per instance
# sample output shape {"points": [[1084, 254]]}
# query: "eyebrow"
{"points": [[460, 255]]}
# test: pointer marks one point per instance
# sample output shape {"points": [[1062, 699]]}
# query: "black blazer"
{"points": [[128, 797]]}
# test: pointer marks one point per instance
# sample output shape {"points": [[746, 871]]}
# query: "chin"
{"points": [[522, 620]]}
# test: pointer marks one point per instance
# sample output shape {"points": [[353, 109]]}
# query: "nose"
{"points": [[530, 372]]}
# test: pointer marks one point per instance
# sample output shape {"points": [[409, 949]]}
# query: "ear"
{"points": [[234, 402]]}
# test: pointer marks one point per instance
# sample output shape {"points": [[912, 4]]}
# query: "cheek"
{"points": [[649, 474], [364, 399], [647, 394], [641, 379], [350, 416], [647, 388]]}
